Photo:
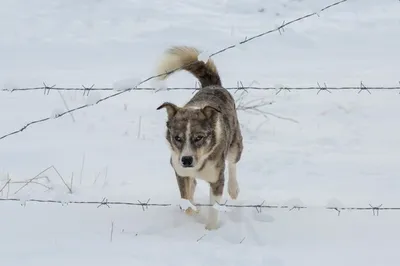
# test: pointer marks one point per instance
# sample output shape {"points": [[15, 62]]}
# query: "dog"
{"points": [[204, 133]]}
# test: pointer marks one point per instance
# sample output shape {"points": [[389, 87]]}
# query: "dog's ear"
{"points": [[172, 109], [208, 110]]}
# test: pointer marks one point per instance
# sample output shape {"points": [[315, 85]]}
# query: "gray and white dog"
{"points": [[204, 133]]}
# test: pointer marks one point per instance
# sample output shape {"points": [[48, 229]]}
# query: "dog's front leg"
{"points": [[187, 186], [216, 190]]}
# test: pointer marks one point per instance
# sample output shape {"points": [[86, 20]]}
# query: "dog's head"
{"points": [[191, 132]]}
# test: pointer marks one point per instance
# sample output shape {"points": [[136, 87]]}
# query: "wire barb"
{"points": [[375, 210], [282, 88], [297, 207], [104, 202], [222, 206], [145, 205], [363, 88], [259, 207], [325, 88], [46, 88], [240, 86], [87, 90]]}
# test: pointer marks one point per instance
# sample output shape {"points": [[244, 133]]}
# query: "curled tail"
{"points": [[184, 57]]}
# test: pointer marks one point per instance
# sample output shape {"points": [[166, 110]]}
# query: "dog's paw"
{"points": [[188, 206], [189, 211], [233, 189], [211, 226]]}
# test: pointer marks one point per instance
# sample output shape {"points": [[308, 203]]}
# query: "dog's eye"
{"points": [[198, 138], [177, 138]]}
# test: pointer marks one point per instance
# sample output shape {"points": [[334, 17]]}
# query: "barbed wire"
{"points": [[258, 207], [86, 91], [279, 29]]}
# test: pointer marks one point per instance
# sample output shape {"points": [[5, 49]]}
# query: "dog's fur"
{"points": [[205, 129]]}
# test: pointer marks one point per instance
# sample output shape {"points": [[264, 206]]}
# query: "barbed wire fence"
{"points": [[280, 29], [220, 206], [43, 180], [86, 90], [223, 207]]}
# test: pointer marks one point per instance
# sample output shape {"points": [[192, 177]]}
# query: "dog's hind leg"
{"points": [[187, 187], [233, 186], [234, 155]]}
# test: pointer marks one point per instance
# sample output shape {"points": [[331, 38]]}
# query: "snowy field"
{"points": [[337, 149]]}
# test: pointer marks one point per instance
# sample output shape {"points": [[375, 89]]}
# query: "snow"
{"points": [[57, 112], [204, 56], [342, 152], [93, 98], [159, 85], [125, 84]]}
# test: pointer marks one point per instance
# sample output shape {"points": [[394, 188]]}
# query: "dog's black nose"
{"points": [[187, 161]]}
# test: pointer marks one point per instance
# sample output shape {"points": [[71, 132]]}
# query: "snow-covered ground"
{"points": [[337, 149]]}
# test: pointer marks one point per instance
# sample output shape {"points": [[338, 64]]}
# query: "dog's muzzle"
{"points": [[187, 161]]}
